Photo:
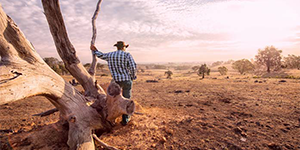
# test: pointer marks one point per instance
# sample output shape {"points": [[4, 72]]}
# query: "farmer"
{"points": [[122, 68]]}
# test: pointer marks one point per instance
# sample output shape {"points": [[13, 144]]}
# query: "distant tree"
{"points": [[196, 68], [292, 61], [269, 57], [169, 74], [217, 63], [222, 70], [243, 66], [56, 65], [63, 69], [51, 61], [203, 70]]}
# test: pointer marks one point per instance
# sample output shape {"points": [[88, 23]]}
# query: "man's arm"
{"points": [[98, 53], [132, 67]]}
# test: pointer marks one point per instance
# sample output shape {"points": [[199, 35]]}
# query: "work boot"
{"points": [[125, 120]]}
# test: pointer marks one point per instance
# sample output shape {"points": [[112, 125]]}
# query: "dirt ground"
{"points": [[185, 113]]}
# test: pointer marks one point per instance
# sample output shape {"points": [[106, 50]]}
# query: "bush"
{"points": [[222, 70], [243, 66]]}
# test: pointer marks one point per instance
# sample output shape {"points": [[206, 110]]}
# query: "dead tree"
{"points": [[23, 73]]}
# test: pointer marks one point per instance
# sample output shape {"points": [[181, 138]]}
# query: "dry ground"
{"points": [[185, 113]]}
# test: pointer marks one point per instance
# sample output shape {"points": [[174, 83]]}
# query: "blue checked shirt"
{"points": [[120, 64]]}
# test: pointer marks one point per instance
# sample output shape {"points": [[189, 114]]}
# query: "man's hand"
{"points": [[93, 48]]}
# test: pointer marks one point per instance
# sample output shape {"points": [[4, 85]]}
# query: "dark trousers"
{"points": [[126, 87]]}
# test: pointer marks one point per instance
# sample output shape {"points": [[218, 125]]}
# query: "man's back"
{"points": [[121, 65]]}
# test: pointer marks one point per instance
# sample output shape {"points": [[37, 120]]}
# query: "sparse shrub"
{"points": [[222, 70], [203, 70], [169, 74], [243, 66]]}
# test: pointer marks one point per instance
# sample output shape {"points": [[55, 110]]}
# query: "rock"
{"points": [[255, 81], [282, 81], [178, 91], [163, 139], [243, 139]]}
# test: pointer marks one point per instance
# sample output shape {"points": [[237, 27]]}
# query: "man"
{"points": [[122, 68]]}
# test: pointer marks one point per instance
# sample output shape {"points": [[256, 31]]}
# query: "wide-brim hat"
{"points": [[121, 44]]}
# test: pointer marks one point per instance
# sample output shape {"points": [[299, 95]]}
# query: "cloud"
{"points": [[166, 28]]}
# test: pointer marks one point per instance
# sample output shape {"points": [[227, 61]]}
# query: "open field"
{"points": [[185, 113]]}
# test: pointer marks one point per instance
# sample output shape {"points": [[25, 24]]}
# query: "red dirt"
{"points": [[184, 113]]}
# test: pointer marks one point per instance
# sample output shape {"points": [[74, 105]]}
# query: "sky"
{"points": [[167, 30]]}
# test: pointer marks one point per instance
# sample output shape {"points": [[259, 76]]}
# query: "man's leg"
{"points": [[126, 87]]}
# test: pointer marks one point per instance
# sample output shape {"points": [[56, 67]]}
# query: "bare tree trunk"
{"points": [[23, 73]]}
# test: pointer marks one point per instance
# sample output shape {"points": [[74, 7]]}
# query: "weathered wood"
{"points": [[104, 145], [93, 67], [66, 50], [23, 73]]}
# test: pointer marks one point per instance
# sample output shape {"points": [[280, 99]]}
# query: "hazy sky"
{"points": [[168, 30]]}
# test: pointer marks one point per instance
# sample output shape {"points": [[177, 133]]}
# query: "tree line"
{"points": [[268, 59]]}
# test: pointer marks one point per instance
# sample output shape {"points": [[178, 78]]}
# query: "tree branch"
{"points": [[103, 144], [66, 50], [93, 67]]}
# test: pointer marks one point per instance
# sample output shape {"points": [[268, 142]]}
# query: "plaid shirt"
{"points": [[120, 64]]}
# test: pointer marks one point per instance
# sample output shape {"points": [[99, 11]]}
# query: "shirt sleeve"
{"points": [[101, 55], [132, 67]]}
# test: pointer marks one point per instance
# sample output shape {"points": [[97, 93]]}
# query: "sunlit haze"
{"points": [[168, 30]]}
